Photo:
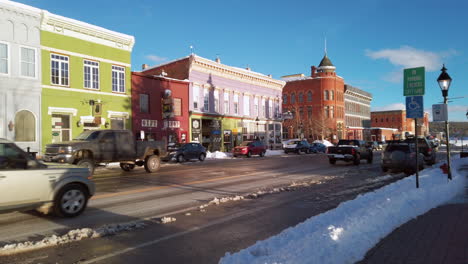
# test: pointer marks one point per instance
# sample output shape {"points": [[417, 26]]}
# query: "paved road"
{"points": [[202, 236]]}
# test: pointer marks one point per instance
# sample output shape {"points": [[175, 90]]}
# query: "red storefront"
{"points": [[160, 108]]}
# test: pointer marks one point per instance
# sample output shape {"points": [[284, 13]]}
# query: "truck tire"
{"points": [[71, 200], [127, 166], [332, 161], [152, 163], [357, 159], [87, 163]]}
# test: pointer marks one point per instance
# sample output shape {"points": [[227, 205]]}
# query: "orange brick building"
{"points": [[397, 119], [316, 103]]}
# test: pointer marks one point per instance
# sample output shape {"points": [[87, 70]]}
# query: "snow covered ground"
{"points": [[346, 233]]}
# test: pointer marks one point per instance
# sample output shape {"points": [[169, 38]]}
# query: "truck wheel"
{"points": [[70, 201], [87, 163], [357, 160], [152, 163], [127, 166], [180, 158], [332, 161]]}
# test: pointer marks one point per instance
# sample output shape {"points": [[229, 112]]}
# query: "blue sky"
{"points": [[369, 41]]}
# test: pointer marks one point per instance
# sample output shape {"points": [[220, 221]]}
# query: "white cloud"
{"points": [[155, 58], [409, 57], [394, 106]]}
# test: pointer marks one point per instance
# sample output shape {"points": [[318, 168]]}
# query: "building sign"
{"points": [[171, 124], [413, 81], [149, 123], [196, 130], [439, 112]]}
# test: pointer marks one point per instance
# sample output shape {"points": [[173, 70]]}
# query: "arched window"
{"points": [[309, 96], [285, 98], [25, 126], [301, 97], [293, 98], [326, 95]]}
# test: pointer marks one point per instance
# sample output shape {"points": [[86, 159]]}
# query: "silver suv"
{"points": [[26, 184]]}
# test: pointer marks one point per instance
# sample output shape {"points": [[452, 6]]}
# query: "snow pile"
{"points": [[345, 234], [217, 201], [218, 155], [274, 152], [167, 219], [72, 235]]}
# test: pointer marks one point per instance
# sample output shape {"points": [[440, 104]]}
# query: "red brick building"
{"points": [[150, 120], [316, 103], [397, 119]]}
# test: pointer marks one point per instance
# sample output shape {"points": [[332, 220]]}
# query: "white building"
{"points": [[20, 74]]}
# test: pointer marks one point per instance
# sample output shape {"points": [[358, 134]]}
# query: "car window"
{"points": [[11, 157], [108, 137], [245, 143], [88, 135]]}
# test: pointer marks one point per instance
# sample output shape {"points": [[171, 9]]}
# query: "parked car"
{"points": [[424, 147], [249, 148], [186, 151], [297, 146], [97, 146], [374, 145], [317, 148], [401, 157], [433, 141], [27, 184], [350, 150], [382, 144]]}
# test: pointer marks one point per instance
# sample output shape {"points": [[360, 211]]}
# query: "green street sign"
{"points": [[413, 81]]}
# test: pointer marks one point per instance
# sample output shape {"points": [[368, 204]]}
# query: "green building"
{"points": [[86, 78]]}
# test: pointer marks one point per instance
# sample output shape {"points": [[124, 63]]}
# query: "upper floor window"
{"points": [[270, 108], [246, 105], [3, 58], [28, 62], [309, 96], [59, 69], [301, 97], [332, 95], [177, 106], [144, 103], [91, 74], [293, 98], [196, 96], [309, 111], [326, 95], [285, 98], [226, 103], [255, 109], [216, 101], [206, 100], [118, 79], [263, 107], [236, 104]]}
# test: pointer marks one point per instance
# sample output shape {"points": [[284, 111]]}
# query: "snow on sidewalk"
{"points": [[228, 155], [346, 233]]}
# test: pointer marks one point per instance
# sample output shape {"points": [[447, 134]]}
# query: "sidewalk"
{"points": [[440, 236]]}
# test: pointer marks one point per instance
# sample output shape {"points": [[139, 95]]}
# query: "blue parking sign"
{"points": [[414, 107]]}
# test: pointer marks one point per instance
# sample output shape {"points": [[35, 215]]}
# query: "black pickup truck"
{"points": [[350, 150], [103, 146]]}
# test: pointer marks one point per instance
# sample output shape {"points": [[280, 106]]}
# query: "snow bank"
{"points": [[274, 152], [345, 234], [218, 155]]}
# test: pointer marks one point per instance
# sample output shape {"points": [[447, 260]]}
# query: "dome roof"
{"points": [[326, 62]]}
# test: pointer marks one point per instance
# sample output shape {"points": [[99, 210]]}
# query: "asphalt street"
{"points": [[198, 235]]}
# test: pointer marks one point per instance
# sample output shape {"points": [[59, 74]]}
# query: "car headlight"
{"points": [[65, 149], [172, 153]]}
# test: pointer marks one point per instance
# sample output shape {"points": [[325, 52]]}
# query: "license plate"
{"points": [[339, 156]]}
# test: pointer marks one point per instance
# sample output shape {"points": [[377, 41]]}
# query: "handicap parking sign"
{"points": [[414, 107]]}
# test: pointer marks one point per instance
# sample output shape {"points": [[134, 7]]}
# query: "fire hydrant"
{"points": [[444, 168]]}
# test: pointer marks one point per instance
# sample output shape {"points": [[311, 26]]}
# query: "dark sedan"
{"points": [[318, 148], [187, 151]]}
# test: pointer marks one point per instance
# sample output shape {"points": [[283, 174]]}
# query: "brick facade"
{"points": [[397, 119]]}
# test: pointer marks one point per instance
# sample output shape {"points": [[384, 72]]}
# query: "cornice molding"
{"points": [[21, 10], [208, 66], [81, 30]]}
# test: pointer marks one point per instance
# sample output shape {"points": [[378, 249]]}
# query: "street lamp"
{"points": [[256, 122], [444, 81]]}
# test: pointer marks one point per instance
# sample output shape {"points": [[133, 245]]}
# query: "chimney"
{"points": [[313, 71], [144, 66], [218, 60]]}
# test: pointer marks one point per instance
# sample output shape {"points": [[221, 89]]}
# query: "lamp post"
{"points": [[444, 81], [256, 123]]}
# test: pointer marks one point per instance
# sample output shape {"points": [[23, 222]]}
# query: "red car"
{"points": [[249, 148]]}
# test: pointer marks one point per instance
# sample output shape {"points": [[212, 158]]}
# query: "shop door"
{"points": [[61, 128]]}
